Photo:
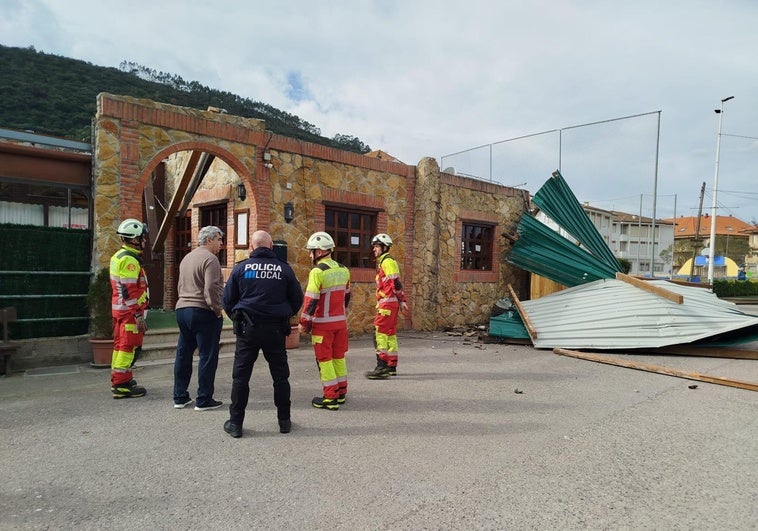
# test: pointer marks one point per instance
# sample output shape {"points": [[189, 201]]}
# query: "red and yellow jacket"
{"points": [[389, 288], [128, 283], [326, 296]]}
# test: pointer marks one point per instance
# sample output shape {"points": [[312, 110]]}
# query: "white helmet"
{"points": [[131, 228], [382, 239], [320, 240]]}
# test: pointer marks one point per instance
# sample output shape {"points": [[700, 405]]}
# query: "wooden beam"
{"points": [[655, 290], [524, 317], [202, 168], [152, 219], [706, 352], [750, 386], [173, 206]]}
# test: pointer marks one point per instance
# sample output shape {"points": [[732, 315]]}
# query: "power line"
{"points": [[740, 136]]}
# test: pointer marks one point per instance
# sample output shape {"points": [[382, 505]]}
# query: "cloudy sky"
{"points": [[520, 80]]}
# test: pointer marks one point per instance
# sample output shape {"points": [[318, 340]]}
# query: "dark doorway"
{"points": [[216, 215]]}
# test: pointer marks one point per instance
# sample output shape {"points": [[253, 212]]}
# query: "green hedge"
{"points": [[735, 288], [31, 248], [34, 262]]}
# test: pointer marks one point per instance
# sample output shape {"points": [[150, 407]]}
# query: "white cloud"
{"points": [[429, 78]]}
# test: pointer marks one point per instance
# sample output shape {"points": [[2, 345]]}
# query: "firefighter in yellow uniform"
{"points": [[390, 299], [129, 304], [326, 297]]}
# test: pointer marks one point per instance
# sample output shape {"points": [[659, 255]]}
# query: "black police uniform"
{"points": [[262, 293]]}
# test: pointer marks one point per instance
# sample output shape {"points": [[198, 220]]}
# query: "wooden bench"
{"points": [[7, 347]]}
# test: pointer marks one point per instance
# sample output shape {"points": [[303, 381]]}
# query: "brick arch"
{"points": [[244, 173]]}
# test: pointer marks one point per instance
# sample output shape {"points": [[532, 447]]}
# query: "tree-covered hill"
{"points": [[55, 95]]}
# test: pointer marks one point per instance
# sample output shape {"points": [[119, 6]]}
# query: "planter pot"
{"points": [[102, 352], [293, 340]]}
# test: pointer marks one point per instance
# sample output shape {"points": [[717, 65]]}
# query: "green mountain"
{"points": [[55, 95]]}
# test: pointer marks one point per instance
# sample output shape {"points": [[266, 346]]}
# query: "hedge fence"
{"points": [[45, 274]]}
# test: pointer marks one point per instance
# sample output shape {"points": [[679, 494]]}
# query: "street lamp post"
{"points": [[711, 248]]}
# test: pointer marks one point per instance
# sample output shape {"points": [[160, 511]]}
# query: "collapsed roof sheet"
{"points": [[543, 251], [604, 309], [556, 199], [613, 314]]}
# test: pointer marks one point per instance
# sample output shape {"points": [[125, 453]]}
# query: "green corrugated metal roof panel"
{"points": [[556, 199], [508, 324], [543, 251]]}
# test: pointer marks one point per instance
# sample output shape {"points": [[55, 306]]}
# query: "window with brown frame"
{"points": [[183, 236], [352, 230], [476, 247]]}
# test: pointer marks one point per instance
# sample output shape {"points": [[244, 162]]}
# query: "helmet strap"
{"points": [[135, 242], [318, 254]]}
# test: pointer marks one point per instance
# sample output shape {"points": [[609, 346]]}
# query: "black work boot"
{"points": [[381, 372], [233, 429], [128, 390], [321, 402]]}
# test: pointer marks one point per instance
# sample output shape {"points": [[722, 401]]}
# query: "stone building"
{"points": [[180, 169]]}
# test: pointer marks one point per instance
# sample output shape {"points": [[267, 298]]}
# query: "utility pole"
{"points": [[697, 240], [712, 246]]}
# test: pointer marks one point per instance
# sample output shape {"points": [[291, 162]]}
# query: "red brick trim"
{"points": [[480, 186]]}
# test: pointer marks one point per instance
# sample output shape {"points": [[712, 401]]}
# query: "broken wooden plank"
{"points": [[524, 317], [750, 386], [655, 290], [704, 352]]}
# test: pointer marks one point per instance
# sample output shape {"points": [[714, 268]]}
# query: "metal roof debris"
{"points": [[603, 308]]}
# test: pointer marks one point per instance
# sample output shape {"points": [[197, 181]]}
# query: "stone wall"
{"points": [[449, 295], [422, 209]]}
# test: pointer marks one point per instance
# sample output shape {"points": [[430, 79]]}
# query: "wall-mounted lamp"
{"points": [[289, 211], [241, 192]]}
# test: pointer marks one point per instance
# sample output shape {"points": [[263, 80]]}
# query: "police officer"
{"points": [[129, 305], [262, 293]]}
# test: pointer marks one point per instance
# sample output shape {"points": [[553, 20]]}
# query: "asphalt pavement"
{"points": [[469, 435]]}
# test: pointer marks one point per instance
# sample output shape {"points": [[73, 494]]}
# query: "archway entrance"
{"points": [[137, 143]]}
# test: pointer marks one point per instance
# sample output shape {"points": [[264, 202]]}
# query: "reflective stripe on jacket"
{"points": [[389, 288], [327, 293], [128, 282]]}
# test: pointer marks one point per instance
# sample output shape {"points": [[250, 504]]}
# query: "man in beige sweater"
{"points": [[198, 314]]}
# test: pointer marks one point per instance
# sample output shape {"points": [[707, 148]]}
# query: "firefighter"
{"points": [[129, 308], [326, 297], [390, 299]]}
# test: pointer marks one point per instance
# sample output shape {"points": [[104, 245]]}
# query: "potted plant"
{"points": [[101, 319], [293, 340]]}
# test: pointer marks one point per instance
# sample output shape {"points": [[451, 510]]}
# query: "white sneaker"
{"points": [[212, 404], [182, 405]]}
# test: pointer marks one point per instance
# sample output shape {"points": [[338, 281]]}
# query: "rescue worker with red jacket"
{"points": [[326, 297], [129, 308], [390, 299]]}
